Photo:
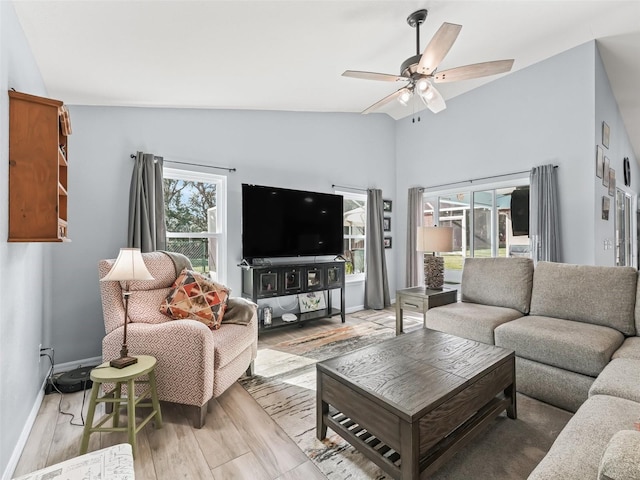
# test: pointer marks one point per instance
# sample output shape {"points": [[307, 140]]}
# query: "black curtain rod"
{"points": [[350, 188], [480, 178], [194, 164]]}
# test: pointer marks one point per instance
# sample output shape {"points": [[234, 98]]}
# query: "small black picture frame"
{"points": [[605, 207], [627, 171], [386, 206], [386, 224], [387, 242]]}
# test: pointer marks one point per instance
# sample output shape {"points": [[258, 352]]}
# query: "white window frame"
{"points": [[221, 213], [360, 197], [629, 207]]}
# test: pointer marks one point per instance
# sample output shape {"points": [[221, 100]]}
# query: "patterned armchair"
{"points": [[195, 363]]}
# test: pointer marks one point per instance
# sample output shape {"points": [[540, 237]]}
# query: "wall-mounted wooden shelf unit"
{"points": [[38, 160]]}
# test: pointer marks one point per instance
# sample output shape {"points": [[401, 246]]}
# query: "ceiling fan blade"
{"points": [[438, 47], [474, 71], [384, 101], [433, 99], [384, 77]]}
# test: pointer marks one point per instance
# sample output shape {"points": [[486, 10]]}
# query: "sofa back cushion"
{"points": [[501, 282], [585, 293]]}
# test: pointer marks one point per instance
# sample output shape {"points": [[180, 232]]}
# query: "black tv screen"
{"points": [[278, 222]]}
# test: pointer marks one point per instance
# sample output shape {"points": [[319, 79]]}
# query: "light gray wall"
{"points": [[606, 109], [306, 151], [538, 115], [24, 282]]}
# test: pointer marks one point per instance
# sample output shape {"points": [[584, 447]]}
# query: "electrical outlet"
{"points": [[39, 353]]}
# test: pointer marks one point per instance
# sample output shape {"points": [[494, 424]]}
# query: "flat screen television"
{"points": [[278, 222]]}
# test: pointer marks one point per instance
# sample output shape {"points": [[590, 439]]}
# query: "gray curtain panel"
{"points": [[376, 284], [545, 222], [147, 228], [415, 213]]}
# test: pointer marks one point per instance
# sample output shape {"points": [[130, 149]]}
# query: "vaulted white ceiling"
{"points": [[289, 55]]}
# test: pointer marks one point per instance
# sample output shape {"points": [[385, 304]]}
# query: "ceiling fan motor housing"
{"points": [[409, 66]]}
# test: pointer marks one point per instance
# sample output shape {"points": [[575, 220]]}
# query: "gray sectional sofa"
{"points": [[574, 329]]}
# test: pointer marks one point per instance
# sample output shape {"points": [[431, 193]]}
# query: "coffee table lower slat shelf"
{"points": [[370, 447]]}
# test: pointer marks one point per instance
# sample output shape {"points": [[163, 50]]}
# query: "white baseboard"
{"points": [[65, 367], [24, 435], [357, 308]]}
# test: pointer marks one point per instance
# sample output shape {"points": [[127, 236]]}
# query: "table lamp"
{"points": [[434, 239], [128, 266]]}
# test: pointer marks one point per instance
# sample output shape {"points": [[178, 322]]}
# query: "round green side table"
{"points": [[129, 376]]}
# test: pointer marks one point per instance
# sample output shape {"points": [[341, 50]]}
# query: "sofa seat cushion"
{"points": [[577, 451], [574, 346], [501, 282], [578, 292], [621, 378], [556, 386], [231, 340], [472, 321], [630, 348]]}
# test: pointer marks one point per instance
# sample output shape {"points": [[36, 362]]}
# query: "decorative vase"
{"points": [[433, 272]]}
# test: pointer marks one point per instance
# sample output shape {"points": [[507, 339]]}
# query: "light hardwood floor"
{"points": [[238, 441]]}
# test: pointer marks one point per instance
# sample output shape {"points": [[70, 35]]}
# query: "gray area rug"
{"points": [[285, 386]]}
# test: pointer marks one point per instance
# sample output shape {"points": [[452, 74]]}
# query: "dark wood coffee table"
{"points": [[411, 402]]}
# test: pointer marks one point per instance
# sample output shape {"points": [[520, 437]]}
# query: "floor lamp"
{"points": [[434, 239], [128, 266]]}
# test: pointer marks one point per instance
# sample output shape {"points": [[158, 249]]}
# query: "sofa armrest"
{"points": [[621, 459], [184, 350]]}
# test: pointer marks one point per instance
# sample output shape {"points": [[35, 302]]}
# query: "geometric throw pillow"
{"points": [[196, 296]]}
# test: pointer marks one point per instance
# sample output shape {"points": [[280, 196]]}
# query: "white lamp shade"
{"points": [[128, 266], [435, 239]]}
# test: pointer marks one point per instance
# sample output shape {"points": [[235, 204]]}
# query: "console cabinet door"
{"points": [[267, 282], [314, 279]]}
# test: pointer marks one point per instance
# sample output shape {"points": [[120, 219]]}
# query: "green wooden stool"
{"points": [[119, 376]]}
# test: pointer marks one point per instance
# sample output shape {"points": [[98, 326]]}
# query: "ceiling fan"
{"points": [[420, 71]]}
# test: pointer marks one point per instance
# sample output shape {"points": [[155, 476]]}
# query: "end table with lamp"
{"points": [[129, 376], [420, 299], [125, 370]]}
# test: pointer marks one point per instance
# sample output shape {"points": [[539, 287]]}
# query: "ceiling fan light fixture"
{"points": [[422, 85], [425, 90], [428, 94], [405, 96]]}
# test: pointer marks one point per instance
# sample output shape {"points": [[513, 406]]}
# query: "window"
{"points": [[483, 224], [195, 209], [624, 238], [354, 228]]}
